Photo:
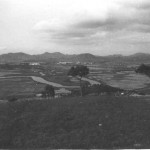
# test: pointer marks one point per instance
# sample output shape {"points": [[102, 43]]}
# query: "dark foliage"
{"points": [[14, 66], [144, 69], [79, 70], [12, 99], [49, 91], [99, 89]]}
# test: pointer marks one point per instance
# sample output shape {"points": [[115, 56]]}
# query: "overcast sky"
{"points": [[101, 27]]}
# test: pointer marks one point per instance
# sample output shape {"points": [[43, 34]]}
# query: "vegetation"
{"points": [[100, 89], [49, 91], [89, 122], [79, 70], [12, 99], [143, 69]]}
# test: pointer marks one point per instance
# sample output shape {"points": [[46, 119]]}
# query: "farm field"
{"points": [[19, 87], [18, 83], [121, 79], [23, 86]]}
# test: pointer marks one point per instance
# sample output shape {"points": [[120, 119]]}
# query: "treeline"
{"points": [[9, 66], [14, 66], [100, 89], [144, 69]]}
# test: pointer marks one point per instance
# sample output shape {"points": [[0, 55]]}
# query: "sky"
{"points": [[99, 27]]}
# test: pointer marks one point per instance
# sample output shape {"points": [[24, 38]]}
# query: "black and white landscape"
{"points": [[74, 74]]}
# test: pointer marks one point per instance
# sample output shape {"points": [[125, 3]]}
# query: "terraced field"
{"points": [[123, 79], [23, 85], [19, 87]]}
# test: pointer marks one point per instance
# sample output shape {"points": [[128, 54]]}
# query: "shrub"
{"points": [[12, 99]]}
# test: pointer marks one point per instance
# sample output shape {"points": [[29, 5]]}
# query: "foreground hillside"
{"points": [[89, 122]]}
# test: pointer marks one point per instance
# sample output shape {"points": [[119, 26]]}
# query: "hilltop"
{"points": [[75, 123]]}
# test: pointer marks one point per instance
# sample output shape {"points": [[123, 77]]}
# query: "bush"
{"points": [[143, 69], [12, 99], [49, 91]]}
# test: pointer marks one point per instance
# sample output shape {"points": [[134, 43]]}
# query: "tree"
{"points": [[143, 69], [80, 71], [49, 91], [12, 99]]}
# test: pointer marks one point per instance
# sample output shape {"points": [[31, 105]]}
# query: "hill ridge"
{"points": [[83, 57]]}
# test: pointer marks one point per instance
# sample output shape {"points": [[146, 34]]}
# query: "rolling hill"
{"points": [[85, 57], [76, 123]]}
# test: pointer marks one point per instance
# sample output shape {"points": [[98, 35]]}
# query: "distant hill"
{"points": [[19, 57], [85, 57], [14, 57], [139, 57], [52, 55]]}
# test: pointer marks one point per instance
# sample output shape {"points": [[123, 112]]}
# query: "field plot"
{"points": [[7, 73], [122, 79], [19, 87], [130, 80], [18, 83]]}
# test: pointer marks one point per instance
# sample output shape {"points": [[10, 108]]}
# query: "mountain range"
{"points": [[85, 57]]}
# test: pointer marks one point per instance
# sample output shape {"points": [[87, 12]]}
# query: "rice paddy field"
{"points": [[23, 86], [122, 79], [17, 86]]}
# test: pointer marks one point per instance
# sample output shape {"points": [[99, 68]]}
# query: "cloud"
{"points": [[104, 25], [133, 14], [140, 4], [125, 18]]}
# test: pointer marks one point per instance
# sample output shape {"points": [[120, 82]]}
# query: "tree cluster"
{"points": [[49, 91], [100, 88], [144, 69], [79, 70]]}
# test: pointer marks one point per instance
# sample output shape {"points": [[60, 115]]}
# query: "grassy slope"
{"points": [[90, 122]]}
